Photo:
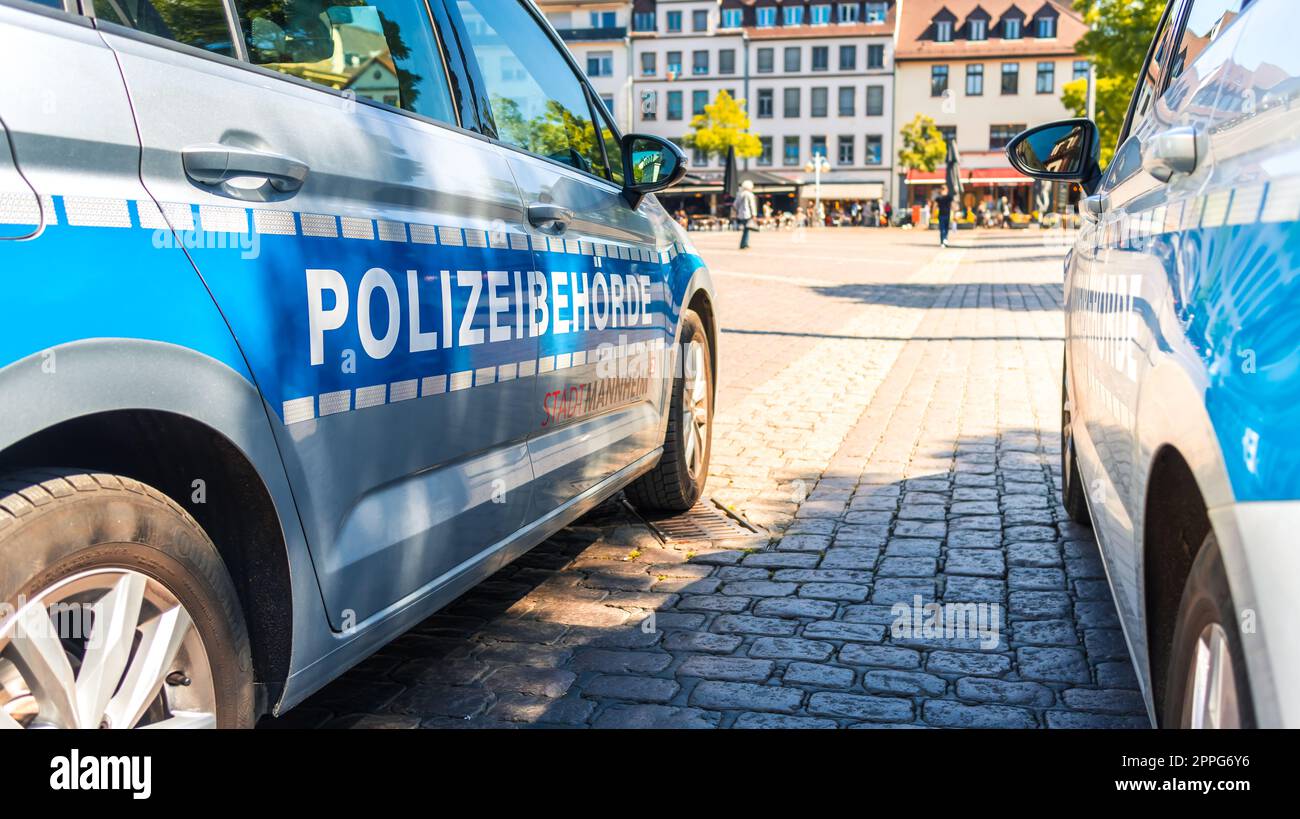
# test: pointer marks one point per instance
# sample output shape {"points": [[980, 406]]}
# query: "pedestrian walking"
{"points": [[943, 204], [745, 209]]}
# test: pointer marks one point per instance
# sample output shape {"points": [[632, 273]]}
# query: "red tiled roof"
{"points": [[916, 38]]}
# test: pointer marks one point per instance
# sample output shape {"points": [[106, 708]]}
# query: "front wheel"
{"points": [[1207, 686], [116, 610], [677, 481]]}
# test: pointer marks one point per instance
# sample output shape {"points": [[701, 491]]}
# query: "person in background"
{"points": [[943, 204], [889, 213], [745, 209]]}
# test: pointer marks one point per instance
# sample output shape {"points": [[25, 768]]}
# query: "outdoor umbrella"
{"points": [[731, 176], [952, 175]]}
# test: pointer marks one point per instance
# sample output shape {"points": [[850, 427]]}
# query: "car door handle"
{"points": [[217, 165], [552, 219], [1177, 150]]}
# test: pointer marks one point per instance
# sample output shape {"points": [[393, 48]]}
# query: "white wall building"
{"points": [[596, 32]]}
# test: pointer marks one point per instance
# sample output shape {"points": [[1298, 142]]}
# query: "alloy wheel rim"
{"points": [[695, 407], [104, 648], [1211, 700]]}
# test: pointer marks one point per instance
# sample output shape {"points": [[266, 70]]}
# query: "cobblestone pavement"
{"points": [[889, 413]]}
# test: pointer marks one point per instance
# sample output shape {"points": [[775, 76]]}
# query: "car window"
{"points": [[384, 51], [1207, 20], [613, 151], [538, 103], [1149, 83], [198, 23]]}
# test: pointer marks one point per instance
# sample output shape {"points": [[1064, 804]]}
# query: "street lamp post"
{"points": [[815, 167]]}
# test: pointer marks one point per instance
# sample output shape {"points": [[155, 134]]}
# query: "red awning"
{"points": [[972, 177]]}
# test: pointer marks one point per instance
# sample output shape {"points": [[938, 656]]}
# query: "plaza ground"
{"points": [[888, 413]]}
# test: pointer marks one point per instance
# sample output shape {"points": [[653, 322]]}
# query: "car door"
{"points": [[1150, 218], [602, 301], [367, 250]]}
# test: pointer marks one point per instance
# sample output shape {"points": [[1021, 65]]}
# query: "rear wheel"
{"points": [[677, 481], [1076, 505], [119, 610], [1206, 684]]}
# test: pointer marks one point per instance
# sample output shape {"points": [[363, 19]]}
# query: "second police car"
{"points": [[1181, 394], [316, 313]]}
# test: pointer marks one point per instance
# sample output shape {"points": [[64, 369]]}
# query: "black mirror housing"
{"points": [[650, 164], [1064, 151]]}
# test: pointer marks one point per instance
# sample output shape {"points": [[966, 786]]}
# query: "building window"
{"points": [[727, 61], [979, 29], [675, 63], [700, 20], [766, 16], [1011, 78], [674, 105], [1045, 27], [790, 151], [792, 15], [875, 56], [1046, 83], [793, 59], [649, 104], [848, 95], [876, 12], [1000, 135], [733, 18], [846, 150], [818, 102], [700, 63], [875, 100], [604, 19], [764, 103], [699, 158], [1080, 69], [943, 31], [765, 151], [975, 80], [648, 63], [1011, 28], [766, 60], [790, 103], [848, 12], [821, 14], [600, 64], [848, 58], [821, 58], [699, 99], [674, 22], [608, 101], [938, 80], [873, 152], [643, 21], [818, 146]]}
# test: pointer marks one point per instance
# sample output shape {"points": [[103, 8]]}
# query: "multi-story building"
{"points": [[984, 70], [816, 77], [596, 32]]}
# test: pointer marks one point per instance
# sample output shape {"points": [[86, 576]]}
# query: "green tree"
{"points": [[923, 147], [1119, 34], [723, 125]]}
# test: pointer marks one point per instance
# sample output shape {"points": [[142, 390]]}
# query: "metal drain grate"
{"points": [[704, 521]]}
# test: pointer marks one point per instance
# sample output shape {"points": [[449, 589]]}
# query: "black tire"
{"points": [[672, 486], [1072, 497], [1206, 601], [55, 523]]}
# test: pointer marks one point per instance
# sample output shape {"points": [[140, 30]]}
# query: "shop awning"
{"points": [[972, 177], [846, 190]]}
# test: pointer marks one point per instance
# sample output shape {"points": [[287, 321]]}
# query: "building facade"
{"points": [[596, 31], [984, 70]]}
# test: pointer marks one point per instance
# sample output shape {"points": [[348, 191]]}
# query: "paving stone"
{"points": [[461, 702], [1105, 644], [733, 574], [915, 528], [726, 668], [974, 589], [1116, 675], [1096, 614], [511, 706], [964, 663], [860, 706], [817, 675], [1112, 701], [1035, 555], [1003, 692], [790, 648], [904, 682], [746, 697], [746, 624], [913, 547], [902, 590], [754, 719], [623, 662], [701, 641], [1052, 664], [1046, 633], [1039, 605], [907, 567], [852, 632], [640, 689], [804, 543], [980, 562], [871, 613], [713, 602], [1035, 579], [1092, 590], [974, 539], [759, 588], [849, 557], [541, 682], [891, 656], [1075, 719], [781, 560], [852, 592], [948, 714], [654, 716]]}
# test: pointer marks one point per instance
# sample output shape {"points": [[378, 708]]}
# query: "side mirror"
{"points": [[1064, 151], [650, 164]]}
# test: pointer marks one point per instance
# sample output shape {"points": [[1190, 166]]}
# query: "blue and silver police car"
{"points": [[316, 312], [1181, 395]]}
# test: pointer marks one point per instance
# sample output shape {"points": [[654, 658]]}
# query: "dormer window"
{"points": [[792, 15], [848, 12], [1045, 27], [943, 31], [1011, 28], [876, 12], [979, 29], [766, 16]]}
